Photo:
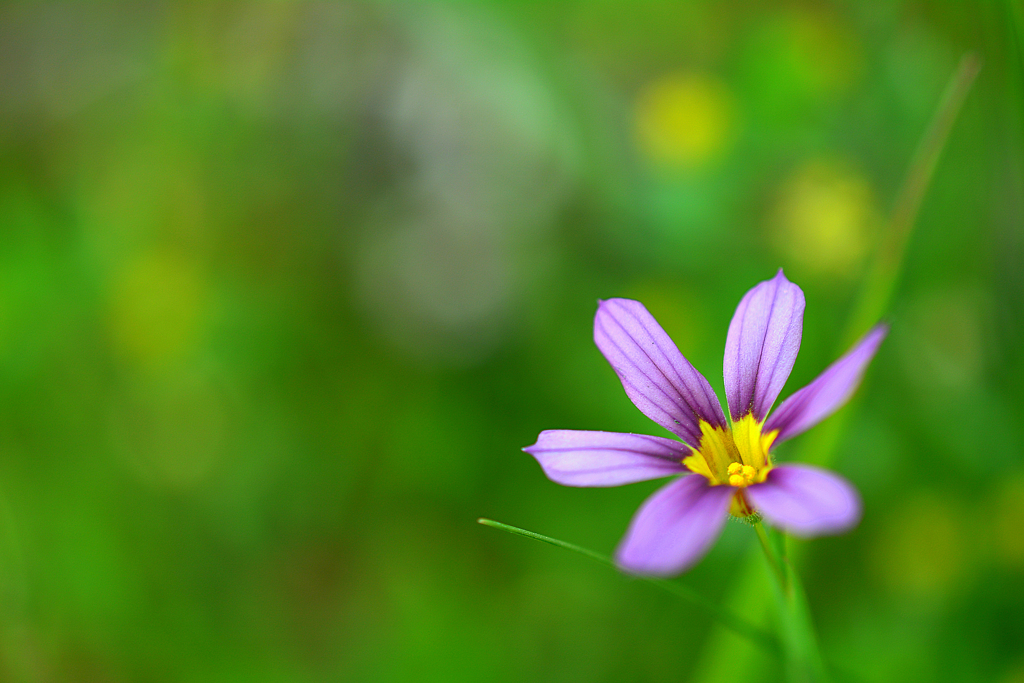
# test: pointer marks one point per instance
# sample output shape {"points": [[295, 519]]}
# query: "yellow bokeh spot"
{"points": [[684, 120], [156, 306], [1008, 509], [825, 218], [923, 549]]}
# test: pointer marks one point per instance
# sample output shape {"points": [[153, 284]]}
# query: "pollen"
{"points": [[743, 475], [738, 475]]}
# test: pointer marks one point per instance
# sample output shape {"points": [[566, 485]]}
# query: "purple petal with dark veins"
{"points": [[577, 458], [828, 392], [656, 377], [674, 528], [806, 501], [761, 347]]}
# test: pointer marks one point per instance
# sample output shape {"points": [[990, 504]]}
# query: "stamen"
{"points": [[738, 456], [744, 475]]}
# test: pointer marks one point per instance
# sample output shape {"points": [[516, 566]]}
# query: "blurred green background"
{"points": [[285, 287]]}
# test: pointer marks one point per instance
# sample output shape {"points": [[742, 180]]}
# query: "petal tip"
{"points": [[536, 444], [655, 375], [591, 458], [762, 344], [615, 301]]}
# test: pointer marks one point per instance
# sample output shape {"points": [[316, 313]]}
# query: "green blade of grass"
{"points": [[884, 273], [725, 617]]}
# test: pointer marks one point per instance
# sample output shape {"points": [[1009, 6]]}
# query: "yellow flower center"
{"points": [[741, 475], [735, 457], [738, 456]]}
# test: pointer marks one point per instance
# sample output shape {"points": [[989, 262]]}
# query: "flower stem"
{"points": [[725, 617], [773, 560], [804, 663]]}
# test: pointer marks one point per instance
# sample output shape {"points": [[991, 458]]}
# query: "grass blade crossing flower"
{"points": [[727, 464]]}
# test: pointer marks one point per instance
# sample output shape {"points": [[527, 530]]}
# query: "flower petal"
{"points": [[806, 501], [674, 527], [828, 392], [576, 458], [656, 377], [761, 347]]}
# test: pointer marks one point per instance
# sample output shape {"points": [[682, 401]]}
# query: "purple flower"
{"points": [[729, 463]]}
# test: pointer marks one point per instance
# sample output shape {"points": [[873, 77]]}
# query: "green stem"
{"points": [[725, 617], [804, 663], [773, 561]]}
